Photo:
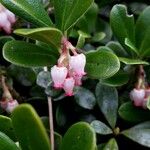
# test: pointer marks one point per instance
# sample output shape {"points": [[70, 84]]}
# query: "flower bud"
{"points": [[11, 17], [77, 64], [137, 96], [58, 75], [68, 86], [147, 92]]}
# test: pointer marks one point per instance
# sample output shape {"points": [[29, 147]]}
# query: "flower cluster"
{"points": [[7, 19], [140, 97], [69, 71]]}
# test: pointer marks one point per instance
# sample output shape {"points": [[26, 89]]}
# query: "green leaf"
{"points": [[119, 19], [117, 49], [111, 145], [140, 134], [131, 113], [87, 23], [47, 35], [6, 143], [101, 128], [44, 79], [101, 64], [85, 98], [130, 61], [61, 117], [29, 129], [142, 32], [98, 37], [131, 45], [79, 136], [119, 79], [30, 10], [27, 54], [107, 98], [25, 76], [69, 12], [7, 127]]}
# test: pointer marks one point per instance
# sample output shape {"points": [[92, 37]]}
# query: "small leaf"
{"points": [[69, 12], [44, 79], [107, 98], [7, 127], [25, 76], [98, 37], [100, 127], [130, 61], [117, 49], [140, 134], [119, 19], [6, 143], [131, 113], [101, 64], [119, 79], [111, 145], [60, 116], [85, 98], [30, 10], [80, 136], [27, 54], [29, 129], [142, 31], [50, 36], [130, 44]]}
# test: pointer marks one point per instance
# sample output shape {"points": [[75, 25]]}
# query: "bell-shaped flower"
{"points": [[68, 86], [11, 105], [58, 75], [77, 64], [10, 16], [137, 96]]}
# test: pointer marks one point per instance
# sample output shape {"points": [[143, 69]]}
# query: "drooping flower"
{"points": [[58, 75], [77, 64], [68, 86], [11, 105], [7, 19], [137, 96]]}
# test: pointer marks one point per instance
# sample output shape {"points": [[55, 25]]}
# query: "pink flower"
{"points": [[78, 80], [58, 75], [147, 92], [77, 64], [7, 18], [11, 105], [68, 86], [137, 96], [10, 16]]}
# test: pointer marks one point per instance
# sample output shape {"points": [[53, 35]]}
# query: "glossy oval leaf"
{"points": [[29, 129], [6, 143], [101, 64], [130, 61], [27, 54], [30, 10], [131, 113], [79, 136], [85, 98], [67, 13], [119, 19], [117, 49], [139, 134], [143, 32], [119, 79], [7, 127], [107, 98], [101, 128], [47, 35], [111, 145]]}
